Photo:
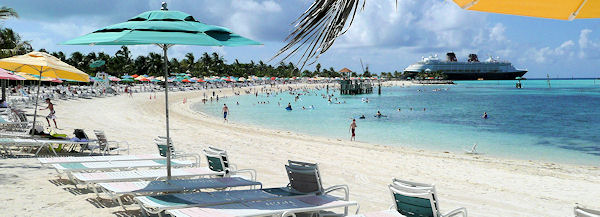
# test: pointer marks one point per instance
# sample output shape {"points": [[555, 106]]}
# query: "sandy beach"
{"points": [[485, 185]]}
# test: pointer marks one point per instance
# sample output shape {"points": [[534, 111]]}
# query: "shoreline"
{"points": [[363, 144], [486, 186]]}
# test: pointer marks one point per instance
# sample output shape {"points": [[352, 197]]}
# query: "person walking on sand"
{"points": [[225, 111], [353, 130], [52, 113]]}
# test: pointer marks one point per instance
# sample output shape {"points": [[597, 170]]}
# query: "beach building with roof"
{"points": [[349, 86]]}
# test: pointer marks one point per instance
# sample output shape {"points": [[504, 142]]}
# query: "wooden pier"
{"points": [[354, 87]]}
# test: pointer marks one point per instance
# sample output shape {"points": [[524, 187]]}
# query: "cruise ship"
{"points": [[472, 69]]}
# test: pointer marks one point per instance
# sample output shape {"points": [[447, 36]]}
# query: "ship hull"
{"points": [[486, 76]]}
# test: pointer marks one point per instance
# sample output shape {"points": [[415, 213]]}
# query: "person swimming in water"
{"points": [[289, 106], [362, 117], [378, 114], [485, 116]]}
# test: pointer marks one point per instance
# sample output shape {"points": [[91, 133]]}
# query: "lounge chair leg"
{"points": [[121, 202], [144, 212], [39, 149], [96, 191]]}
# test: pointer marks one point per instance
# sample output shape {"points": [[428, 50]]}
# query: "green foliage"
{"points": [[435, 74], [212, 64], [6, 12], [11, 44]]}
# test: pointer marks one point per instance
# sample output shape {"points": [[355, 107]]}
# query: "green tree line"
{"points": [[122, 62]]}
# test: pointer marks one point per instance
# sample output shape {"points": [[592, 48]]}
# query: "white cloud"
{"points": [[497, 33], [545, 54], [242, 18], [587, 47], [382, 36]]}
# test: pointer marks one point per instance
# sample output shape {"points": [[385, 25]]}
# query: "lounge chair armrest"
{"points": [[461, 210], [339, 187], [580, 210], [249, 171], [233, 166], [195, 156]]}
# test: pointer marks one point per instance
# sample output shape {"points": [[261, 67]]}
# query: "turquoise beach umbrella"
{"points": [[127, 80], [97, 63], [163, 28]]}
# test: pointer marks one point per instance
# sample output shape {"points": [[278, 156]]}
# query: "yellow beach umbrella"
{"points": [[42, 65], [26, 76], [553, 9], [49, 66], [31, 77]]}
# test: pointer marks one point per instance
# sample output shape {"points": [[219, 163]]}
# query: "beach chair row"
{"points": [[198, 191], [185, 195], [24, 141], [93, 171]]}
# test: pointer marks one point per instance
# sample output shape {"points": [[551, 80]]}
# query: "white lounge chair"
{"points": [[69, 168], [7, 143], [304, 180], [140, 175], [418, 199], [104, 146], [55, 160], [218, 161], [384, 213], [585, 212], [278, 207], [161, 144], [117, 189]]}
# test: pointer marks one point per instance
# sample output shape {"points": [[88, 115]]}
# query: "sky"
{"points": [[383, 37]]}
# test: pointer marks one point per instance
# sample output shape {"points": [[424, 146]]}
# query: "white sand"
{"points": [[486, 186]]}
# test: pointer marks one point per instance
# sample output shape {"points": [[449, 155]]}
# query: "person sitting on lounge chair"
{"points": [[3, 103]]}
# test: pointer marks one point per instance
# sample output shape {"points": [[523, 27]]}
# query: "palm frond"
{"points": [[6, 12], [318, 27]]}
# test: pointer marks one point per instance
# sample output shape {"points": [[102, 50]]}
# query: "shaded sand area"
{"points": [[486, 186]]}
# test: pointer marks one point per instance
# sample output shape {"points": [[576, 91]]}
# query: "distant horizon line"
{"points": [[571, 78]]}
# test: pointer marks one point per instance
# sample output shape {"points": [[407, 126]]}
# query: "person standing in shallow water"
{"points": [[225, 111], [353, 130]]}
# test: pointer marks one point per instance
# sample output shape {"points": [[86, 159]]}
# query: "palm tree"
{"points": [[11, 44], [155, 64], [206, 62], [122, 62], [60, 55], [188, 63], [318, 27], [175, 66], [140, 64]]}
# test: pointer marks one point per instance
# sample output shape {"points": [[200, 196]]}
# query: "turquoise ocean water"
{"points": [[558, 124]]}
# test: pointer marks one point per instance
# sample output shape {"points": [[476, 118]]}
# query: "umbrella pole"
{"points": [[4, 89], [165, 47], [37, 98]]}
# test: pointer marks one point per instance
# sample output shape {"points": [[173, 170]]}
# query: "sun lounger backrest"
{"points": [[414, 199], [161, 144], [223, 154], [304, 177], [217, 160], [102, 141], [21, 116], [585, 212]]}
